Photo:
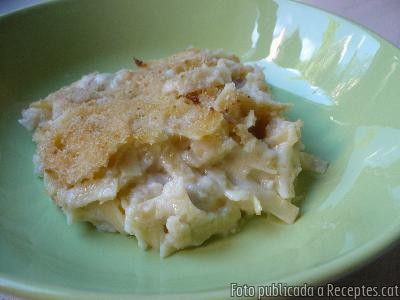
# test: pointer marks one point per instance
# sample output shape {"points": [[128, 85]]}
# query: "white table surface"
{"points": [[380, 16]]}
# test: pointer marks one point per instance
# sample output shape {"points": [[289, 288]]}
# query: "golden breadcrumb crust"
{"points": [[95, 123]]}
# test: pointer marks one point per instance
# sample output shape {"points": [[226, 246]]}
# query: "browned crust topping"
{"points": [[89, 124], [194, 97], [140, 63]]}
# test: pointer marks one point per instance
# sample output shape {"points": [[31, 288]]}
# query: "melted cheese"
{"points": [[172, 153]]}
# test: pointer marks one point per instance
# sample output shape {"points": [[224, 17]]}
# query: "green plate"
{"points": [[343, 82]]}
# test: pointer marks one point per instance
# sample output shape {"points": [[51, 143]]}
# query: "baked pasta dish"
{"points": [[174, 152]]}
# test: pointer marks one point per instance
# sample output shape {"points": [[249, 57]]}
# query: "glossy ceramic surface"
{"points": [[343, 82]]}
